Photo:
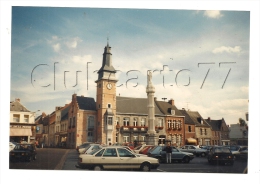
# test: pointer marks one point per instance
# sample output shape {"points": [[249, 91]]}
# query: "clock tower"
{"points": [[106, 99]]}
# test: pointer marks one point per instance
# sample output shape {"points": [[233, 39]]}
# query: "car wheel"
{"points": [[203, 154], [186, 159], [145, 167], [97, 168]]}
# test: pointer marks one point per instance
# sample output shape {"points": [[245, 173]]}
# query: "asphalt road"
{"points": [[65, 159], [46, 159]]}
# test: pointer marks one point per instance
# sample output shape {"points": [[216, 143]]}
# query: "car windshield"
{"points": [[222, 150], [234, 148], [23, 147], [94, 151]]}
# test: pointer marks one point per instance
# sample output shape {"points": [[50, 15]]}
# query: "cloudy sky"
{"points": [[198, 58]]}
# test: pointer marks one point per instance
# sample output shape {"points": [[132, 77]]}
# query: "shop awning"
{"points": [[191, 141], [20, 132]]}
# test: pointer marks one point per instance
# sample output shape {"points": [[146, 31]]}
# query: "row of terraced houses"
{"points": [[114, 119]]}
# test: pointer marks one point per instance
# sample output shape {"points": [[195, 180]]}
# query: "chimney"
{"points": [[209, 119], [17, 99], [171, 101]]}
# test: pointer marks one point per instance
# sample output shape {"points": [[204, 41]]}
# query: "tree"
{"points": [[242, 122]]}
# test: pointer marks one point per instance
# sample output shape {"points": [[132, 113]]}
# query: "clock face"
{"points": [[109, 86]]}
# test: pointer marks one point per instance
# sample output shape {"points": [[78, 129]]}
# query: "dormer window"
{"points": [[172, 112]]}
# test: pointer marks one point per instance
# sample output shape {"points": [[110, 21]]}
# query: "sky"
{"points": [[198, 58], [202, 59]]}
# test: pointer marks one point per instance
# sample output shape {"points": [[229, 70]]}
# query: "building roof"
{"points": [[194, 117], [17, 106], [64, 112], [215, 124], [188, 120], [166, 108], [86, 103], [130, 105]]}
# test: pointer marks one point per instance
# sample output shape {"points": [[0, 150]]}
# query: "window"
{"points": [[70, 122], [74, 121], [99, 154], [16, 118], [173, 112], [143, 122], [189, 128], [143, 138], [117, 120], [110, 152], [90, 136], [109, 120], [91, 122], [109, 106], [205, 131], [26, 118], [135, 122], [169, 124], [126, 138], [160, 122], [201, 131], [126, 121], [135, 137], [124, 153]]}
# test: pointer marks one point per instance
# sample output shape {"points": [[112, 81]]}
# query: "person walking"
{"points": [[168, 150]]}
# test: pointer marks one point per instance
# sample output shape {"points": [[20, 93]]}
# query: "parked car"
{"points": [[132, 151], [12, 145], [146, 149], [236, 150], [195, 150], [82, 147], [116, 158], [244, 153], [90, 148], [129, 144], [220, 155], [23, 152], [137, 149], [177, 155]]}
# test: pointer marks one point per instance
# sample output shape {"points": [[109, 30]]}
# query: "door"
{"points": [[110, 159], [127, 159]]}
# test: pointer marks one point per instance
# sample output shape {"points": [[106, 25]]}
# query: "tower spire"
{"points": [[107, 41]]}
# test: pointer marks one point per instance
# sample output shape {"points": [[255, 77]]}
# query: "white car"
{"points": [[116, 158], [91, 148]]}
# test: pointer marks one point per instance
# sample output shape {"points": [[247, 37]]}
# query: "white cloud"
{"points": [[222, 49], [229, 104], [213, 14], [72, 43], [56, 47]]}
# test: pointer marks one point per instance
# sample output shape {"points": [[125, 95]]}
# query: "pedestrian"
{"points": [[168, 150]]}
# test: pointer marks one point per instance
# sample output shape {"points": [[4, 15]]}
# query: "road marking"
{"points": [[60, 164], [160, 170]]}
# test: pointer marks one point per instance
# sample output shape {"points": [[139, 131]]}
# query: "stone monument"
{"points": [[151, 137]]}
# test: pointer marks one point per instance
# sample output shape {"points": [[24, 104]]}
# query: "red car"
{"points": [[145, 150]]}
